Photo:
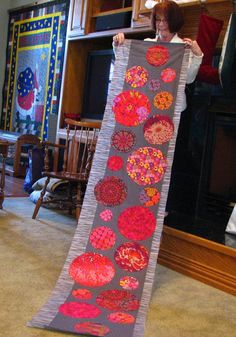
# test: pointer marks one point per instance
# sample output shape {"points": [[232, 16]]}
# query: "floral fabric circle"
{"points": [[154, 85], [136, 76], [158, 129], [120, 317], [79, 310], [129, 283], [110, 191], [117, 300], [123, 140], [115, 163], [131, 108], [106, 215], [92, 270], [137, 223], [131, 256], [163, 100], [168, 75], [157, 55], [150, 196], [91, 328], [102, 238], [82, 294], [146, 166]]}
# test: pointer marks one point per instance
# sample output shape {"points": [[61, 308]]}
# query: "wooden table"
{"points": [[3, 153]]}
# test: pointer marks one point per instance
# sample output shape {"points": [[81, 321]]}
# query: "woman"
{"points": [[167, 20]]}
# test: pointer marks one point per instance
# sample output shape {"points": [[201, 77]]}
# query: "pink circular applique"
{"points": [[150, 196], [79, 310], [131, 256], [92, 270], [146, 166], [106, 215], [154, 85], [91, 328], [115, 163], [157, 55], [102, 238], [137, 223], [82, 294], [129, 283], [123, 140], [131, 108], [120, 317], [118, 300], [136, 76], [158, 129], [163, 100], [110, 191], [168, 75]]}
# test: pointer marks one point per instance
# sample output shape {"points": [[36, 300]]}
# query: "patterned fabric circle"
{"points": [[92, 270], [82, 294], [106, 215], [110, 191], [102, 238], [91, 328], [131, 256], [79, 310], [118, 300], [129, 283], [123, 140], [131, 108], [137, 223], [146, 166], [163, 100], [136, 76], [154, 85], [150, 196], [158, 129], [168, 75], [120, 317], [157, 55], [115, 163]]}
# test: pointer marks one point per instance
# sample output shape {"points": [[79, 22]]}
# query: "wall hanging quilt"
{"points": [[36, 41], [105, 286]]}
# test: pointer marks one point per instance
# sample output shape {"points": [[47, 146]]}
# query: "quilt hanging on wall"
{"points": [[105, 286], [34, 61]]}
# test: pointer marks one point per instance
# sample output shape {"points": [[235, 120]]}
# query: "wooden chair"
{"points": [[78, 152]]}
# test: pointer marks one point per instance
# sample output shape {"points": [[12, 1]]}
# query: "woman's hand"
{"points": [[194, 46], [119, 39]]}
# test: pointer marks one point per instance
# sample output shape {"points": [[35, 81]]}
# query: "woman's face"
{"points": [[161, 24]]}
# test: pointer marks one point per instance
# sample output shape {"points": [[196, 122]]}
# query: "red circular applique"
{"points": [[158, 129], [129, 283], [123, 140], [102, 238], [146, 166], [92, 270], [150, 196], [131, 108], [131, 256], [82, 294], [115, 163], [106, 215], [137, 223], [168, 75], [91, 328], [79, 310], [120, 317], [157, 55], [163, 100], [118, 300], [110, 191], [136, 76]]}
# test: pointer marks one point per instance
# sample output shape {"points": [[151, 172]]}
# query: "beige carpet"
{"points": [[32, 253]]}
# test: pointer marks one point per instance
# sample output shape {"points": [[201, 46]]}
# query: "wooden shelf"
{"points": [[114, 11]]}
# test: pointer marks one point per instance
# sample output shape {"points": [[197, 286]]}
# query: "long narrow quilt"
{"points": [[105, 286]]}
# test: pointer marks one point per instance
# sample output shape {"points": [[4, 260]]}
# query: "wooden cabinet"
{"points": [[141, 15], [77, 18]]}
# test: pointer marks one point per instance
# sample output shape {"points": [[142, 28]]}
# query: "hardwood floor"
{"points": [[14, 187]]}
